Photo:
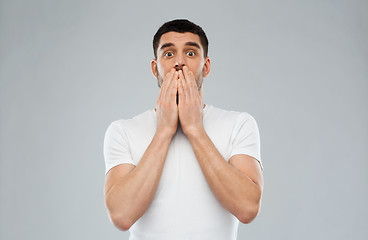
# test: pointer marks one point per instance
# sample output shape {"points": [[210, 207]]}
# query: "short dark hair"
{"points": [[180, 26]]}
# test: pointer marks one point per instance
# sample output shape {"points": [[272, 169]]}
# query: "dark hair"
{"points": [[180, 26]]}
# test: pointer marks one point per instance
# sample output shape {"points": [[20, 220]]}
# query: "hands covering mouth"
{"points": [[179, 99]]}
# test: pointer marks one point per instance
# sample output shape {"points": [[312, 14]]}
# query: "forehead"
{"points": [[179, 39]]}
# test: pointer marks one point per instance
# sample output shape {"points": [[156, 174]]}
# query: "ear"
{"points": [[154, 67], [207, 67]]}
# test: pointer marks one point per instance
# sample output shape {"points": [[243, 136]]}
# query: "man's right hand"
{"points": [[166, 107]]}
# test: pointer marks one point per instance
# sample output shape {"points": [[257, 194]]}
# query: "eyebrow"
{"points": [[193, 44]]}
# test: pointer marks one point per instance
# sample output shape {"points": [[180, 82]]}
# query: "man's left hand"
{"points": [[190, 103]]}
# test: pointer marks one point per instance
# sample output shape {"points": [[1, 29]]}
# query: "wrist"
{"points": [[165, 133], [194, 132]]}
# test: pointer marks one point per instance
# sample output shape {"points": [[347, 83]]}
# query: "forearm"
{"points": [[129, 198], [235, 191]]}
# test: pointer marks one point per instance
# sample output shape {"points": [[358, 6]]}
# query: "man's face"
{"points": [[176, 50]]}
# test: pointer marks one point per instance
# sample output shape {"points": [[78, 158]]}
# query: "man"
{"points": [[184, 170]]}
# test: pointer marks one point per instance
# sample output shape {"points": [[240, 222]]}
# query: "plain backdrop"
{"points": [[69, 68]]}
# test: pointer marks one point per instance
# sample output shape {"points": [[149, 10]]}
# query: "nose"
{"points": [[179, 62], [179, 67]]}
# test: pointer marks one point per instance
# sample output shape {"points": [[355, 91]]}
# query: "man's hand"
{"points": [[166, 108], [190, 103], [129, 189]]}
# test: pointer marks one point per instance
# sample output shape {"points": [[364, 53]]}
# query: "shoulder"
{"points": [[228, 115], [145, 117], [138, 120]]}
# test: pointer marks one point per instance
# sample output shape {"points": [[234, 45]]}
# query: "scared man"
{"points": [[184, 169]]}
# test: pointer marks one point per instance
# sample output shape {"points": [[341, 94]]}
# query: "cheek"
{"points": [[198, 71], [160, 71], [163, 69], [196, 67]]}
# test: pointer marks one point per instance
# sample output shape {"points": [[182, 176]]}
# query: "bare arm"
{"points": [[237, 185], [129, 190]]}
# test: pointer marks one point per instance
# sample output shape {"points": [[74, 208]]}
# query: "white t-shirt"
{"points": [[184, 206]]}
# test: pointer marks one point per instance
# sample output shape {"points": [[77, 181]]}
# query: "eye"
{"points": [[168, 54], [191, 54]]}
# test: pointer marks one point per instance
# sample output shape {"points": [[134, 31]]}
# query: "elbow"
{"points": [[121, 223], [248, 215], [247, 218], [123, 226], [249, 210], [118, 217]]}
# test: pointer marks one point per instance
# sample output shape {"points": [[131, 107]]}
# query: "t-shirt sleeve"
{"points": [[245, 138], [116, 146]]}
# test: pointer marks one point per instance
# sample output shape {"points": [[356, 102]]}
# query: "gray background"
{"points": [[69, 68]]}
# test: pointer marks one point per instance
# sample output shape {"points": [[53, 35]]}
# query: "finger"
{"points": [[173, 88], [164, 84], [181, 91], [195, 90], [193, 84], [168, 76], [189, 79], [167, 82], [185, 87]]}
